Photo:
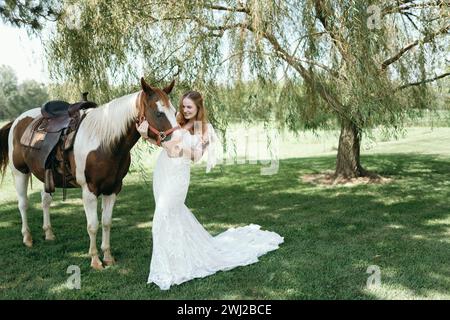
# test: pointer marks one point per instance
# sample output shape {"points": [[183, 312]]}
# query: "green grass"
{"points": [[332, 234]]}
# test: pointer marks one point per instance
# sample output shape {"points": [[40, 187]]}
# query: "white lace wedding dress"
{"points": [[182, 248]]}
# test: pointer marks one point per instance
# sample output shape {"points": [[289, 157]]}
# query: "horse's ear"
{"points": [[169, 88], [147, 89]]}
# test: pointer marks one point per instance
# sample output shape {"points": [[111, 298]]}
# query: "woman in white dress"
{"points": [[182, 248]]}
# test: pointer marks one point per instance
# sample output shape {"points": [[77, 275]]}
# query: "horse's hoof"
{"points": [[98, 267], [27, 240], [110, 262], [49, 236], [96, 264]]}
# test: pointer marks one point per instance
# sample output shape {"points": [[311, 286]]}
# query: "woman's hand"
{"points": [[143, 131], [173, 147]]}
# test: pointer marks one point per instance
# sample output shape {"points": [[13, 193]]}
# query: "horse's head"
{"points": [[155, 107]]}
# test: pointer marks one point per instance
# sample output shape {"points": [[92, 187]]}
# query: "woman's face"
{"points": [[189, 108]]}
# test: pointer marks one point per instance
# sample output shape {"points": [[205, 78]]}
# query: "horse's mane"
{"points": [[109, 122]]}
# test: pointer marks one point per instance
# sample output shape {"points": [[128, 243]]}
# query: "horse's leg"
{"points": [[21, 183], [46, 202], [90, 207], [107, 209]]}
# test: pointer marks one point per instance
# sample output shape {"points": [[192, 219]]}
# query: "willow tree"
{"points": [[364, 63], [31, 14]]}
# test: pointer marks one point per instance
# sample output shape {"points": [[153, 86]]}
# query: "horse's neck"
{"points": [[130, 139], [113, 123]]}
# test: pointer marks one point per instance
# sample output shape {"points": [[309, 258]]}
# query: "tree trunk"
{"points": [[348, 163]]}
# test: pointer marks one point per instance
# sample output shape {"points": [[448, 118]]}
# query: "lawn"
{"points": [[332, 234]]}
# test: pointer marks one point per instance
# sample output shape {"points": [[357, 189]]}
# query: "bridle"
{"points": [[161, 135]]}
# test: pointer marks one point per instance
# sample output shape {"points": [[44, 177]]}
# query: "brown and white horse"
{"points": [[100, 158]]}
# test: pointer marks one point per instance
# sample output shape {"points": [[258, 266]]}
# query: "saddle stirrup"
{"points": [[49, 183]]}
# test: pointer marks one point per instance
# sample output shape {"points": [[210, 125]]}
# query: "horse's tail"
{"points": [[4, 133]]}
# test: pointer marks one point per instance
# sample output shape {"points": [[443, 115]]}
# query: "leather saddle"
{"points": [[51, 135]]}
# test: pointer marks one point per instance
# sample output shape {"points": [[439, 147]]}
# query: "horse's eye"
{"points": [[159, 114]]}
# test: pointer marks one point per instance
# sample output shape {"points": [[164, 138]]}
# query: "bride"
{"points": [[182, 248]]}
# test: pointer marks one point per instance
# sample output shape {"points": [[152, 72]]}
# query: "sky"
{"points": [[23, 53]]}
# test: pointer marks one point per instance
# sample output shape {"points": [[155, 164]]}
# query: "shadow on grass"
{"points": [[332, 234]]}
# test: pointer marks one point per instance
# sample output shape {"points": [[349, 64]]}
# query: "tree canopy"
{"points": [[364, 63]]}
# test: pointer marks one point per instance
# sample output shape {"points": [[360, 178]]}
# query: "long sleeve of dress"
{"points": [[214, 149]]}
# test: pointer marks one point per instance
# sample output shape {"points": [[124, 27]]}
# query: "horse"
{"points": [[99, 160]]}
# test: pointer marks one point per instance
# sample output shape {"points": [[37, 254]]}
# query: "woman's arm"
{"points": [[173, 147], [182, 145], [193, 146]]}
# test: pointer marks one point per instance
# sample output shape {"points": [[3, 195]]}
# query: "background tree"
{"points": [[364, 63], [32, 94], [16, 98], [8, 92]]}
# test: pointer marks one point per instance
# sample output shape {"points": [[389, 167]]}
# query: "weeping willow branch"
{"points": [[410, 5], [290, 60], [408, 47], [305, 74], [223, 8], [338, 40], [423, 81]]}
